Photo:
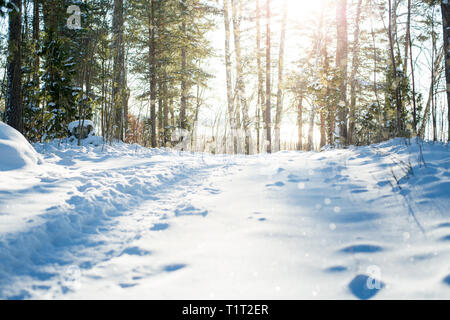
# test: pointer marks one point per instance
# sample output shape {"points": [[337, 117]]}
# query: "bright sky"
{"points": [[299, 11]]}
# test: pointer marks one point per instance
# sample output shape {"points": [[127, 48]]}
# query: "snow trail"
{"points": [[368, 222]]}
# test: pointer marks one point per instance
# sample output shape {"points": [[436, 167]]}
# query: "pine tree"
{"points": [[14, 108]]}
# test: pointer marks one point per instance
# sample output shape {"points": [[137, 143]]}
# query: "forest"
{"points": [[224, 149], [293, 75]]}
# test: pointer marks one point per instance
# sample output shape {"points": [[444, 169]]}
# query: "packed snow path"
{"points": [[128, 222]]}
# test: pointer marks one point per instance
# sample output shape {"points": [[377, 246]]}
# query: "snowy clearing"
{"points": [[133, 223]]}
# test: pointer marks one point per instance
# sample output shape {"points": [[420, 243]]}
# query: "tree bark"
{"points": [[435, 72], [166, 112], [445, 9], [394, 71], [240, 90], [152, 52], [36, 22], [118, 68], [341, 62], [14, 107], [354, 80], [300, 123], [228, 70], [259, 54], [279, 110], [183, 101], [268, 83]]}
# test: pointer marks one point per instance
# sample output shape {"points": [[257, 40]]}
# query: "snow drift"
{"points": [[15, 151]]}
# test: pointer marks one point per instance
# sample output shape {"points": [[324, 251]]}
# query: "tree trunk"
{"points": [[183, 101], [327, 104], [407, 39], [300, 123], [259, 54], [279, 110], [228, 70], [14, 107], [445, 9], [341, 62], [36, 22], [240, 90], [311, 128], [394, 71], [166, 112], [268, 83], [435, 72], [354, 80], [118, 68], [152, 53]]}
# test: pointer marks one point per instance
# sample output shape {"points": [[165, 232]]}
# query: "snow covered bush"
{"points": [[87, 130]]}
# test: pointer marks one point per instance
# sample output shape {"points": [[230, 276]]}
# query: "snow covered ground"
{"points": [[133, 223]]}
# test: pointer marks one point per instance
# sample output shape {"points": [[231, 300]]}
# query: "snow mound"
{"points": [[16, 152], [76, 124]]}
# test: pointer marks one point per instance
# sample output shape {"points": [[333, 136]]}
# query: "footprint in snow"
{"points": [[276, 184], [445, 238], [447, 280], [190, 211], [365, 287], [257, 214], [159, 227], [362, 248], [135, 251], [443, 225], [336, 269], [383, 183], [296, 179], [173, 267], [212, 190], [127, 285], [359, 190]]}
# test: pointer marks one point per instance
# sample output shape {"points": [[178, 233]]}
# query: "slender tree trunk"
{"points": [[445, 9], [435, 72], [300, 123], [152, 53], [36, 22], [228, 71], [394, 71], [433, 100], [118, 68], [341, 62], [311, 128], [160, 113], [279, 110], [268, 83], [323, 136], [413, 83], [183, 101], [407, 39], [259, 54], [375, 83], [354, 80], [166, 112], [327, 104], [125, 99], [240, 90], [14, 107]]}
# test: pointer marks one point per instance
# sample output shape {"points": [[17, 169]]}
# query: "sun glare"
{"points": [[302, 7]]}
